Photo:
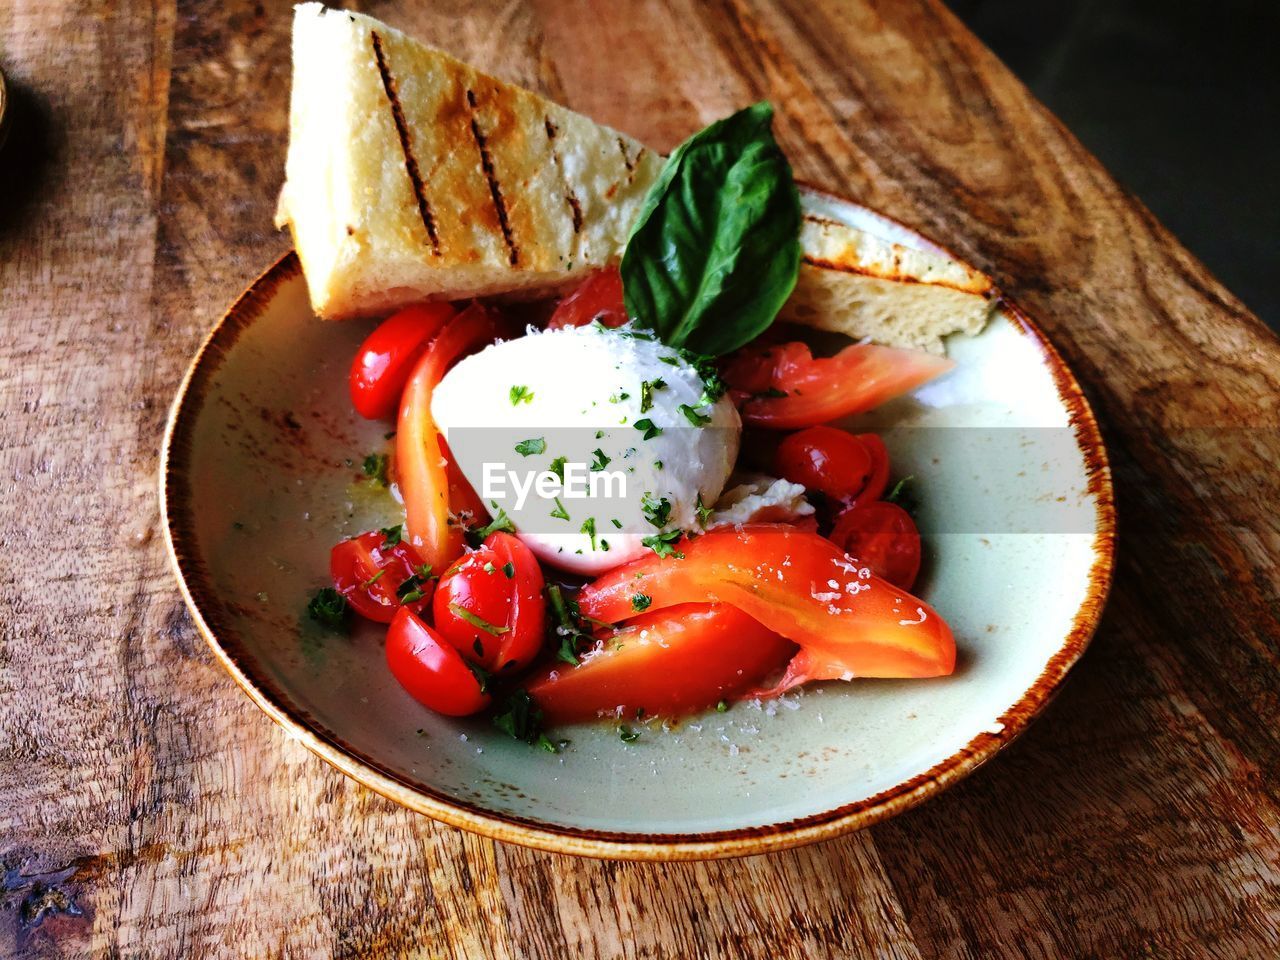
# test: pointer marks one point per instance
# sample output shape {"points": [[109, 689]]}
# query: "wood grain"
{"points": [[148, 810]]}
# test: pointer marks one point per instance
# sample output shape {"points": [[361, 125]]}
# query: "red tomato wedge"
{"points": [[384, 361], [675, 661], [847, 621], [431, 670], [598, 298], [464, 503], [369, 573], [490, 604], [783, 387], [883, 537], [420, 465]]}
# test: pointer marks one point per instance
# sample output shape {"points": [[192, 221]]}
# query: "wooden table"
{"points": [[148, 809]]}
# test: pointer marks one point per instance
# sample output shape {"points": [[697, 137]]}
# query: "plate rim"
{"points": [[421, 798]]}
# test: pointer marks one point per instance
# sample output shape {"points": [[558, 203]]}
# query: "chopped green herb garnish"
{"points": [[489, 568], [374, 579], [477, 535], [392, 535], [693, 416], [647, 389], [650, 429], [410, 591], [663, 544], [557, 467], [619, 397], [627, 735], [713, 387], [640, 602], [509, 570], [896, 493], [531, 446], [477, 621], [328, 607], [521, 719], [673, 361], [482, 675], [616, 522], [599, 434], [721, 707], [657, 512], [703, 511], [375, 467], [599, 460], [521, 394], [565, 612], [560, 512], [589, 528]]}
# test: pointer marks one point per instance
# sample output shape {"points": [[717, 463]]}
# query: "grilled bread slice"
{"points": [[870, 278], [412, 176]]}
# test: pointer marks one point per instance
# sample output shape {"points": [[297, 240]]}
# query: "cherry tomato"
{"points": [[783, 387], [833, 462], [882, 536], [384, 361], [369, 573], [431, 670], [420, 468], [847, 621], [599, 298], [490, 606], [667, 663]]}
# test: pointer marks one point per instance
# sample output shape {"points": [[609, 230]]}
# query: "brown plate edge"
{"points": [[629, 846]]}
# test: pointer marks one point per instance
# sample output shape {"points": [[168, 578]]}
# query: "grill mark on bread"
{"points": [[402, 129], [631, 170], [626, 160], [495, 188], [575, 206], [977, 284], [985, 293]]}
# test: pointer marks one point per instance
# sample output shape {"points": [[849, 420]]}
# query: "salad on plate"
{"points": [[613, 384]]}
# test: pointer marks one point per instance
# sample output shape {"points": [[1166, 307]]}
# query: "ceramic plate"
{"points": [[259, 480]]}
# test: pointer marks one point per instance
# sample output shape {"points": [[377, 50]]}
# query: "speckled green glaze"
{"points": [[263, 476]]}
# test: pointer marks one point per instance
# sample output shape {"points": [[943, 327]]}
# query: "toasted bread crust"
{"points": [[413, 175]]}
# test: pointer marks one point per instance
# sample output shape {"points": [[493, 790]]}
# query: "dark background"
{"points": [[1180, 100]]}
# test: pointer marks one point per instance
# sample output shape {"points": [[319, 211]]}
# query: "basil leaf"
{"points": [[715, 250]]}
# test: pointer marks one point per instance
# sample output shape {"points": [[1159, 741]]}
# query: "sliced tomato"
{"points": [[847, 621], [674, 661], [599, 298], [386, 358], [833, 462], [420, 467], [464, 503], [431, 669], [883, 537], [369, 572], [784, 388], [490, 604]]}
